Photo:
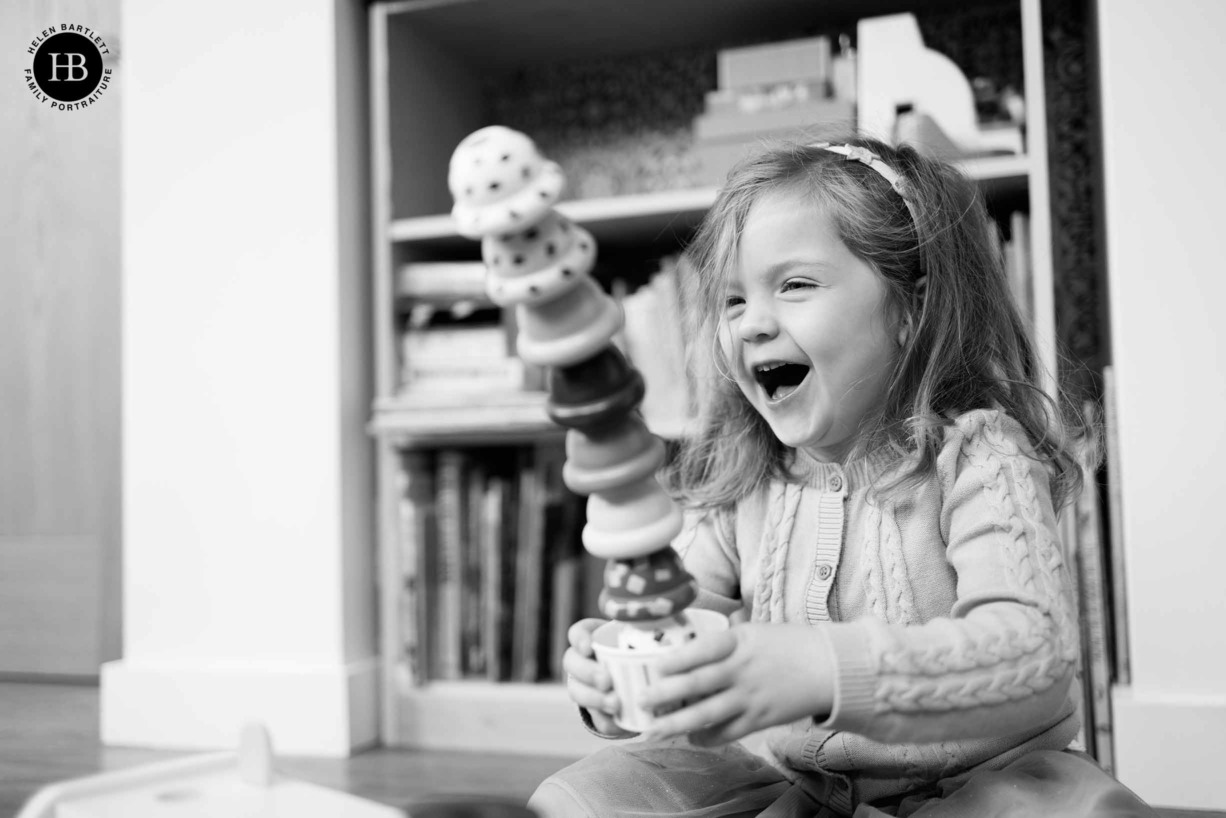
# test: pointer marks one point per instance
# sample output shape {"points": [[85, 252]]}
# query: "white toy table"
{"points": [[220, 785]]}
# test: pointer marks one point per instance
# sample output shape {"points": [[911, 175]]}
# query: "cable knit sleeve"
{"points": [[1002, 660], [705, 548]]}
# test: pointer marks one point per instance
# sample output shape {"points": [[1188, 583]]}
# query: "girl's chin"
{"points": [[796, 438], [815, 438]]}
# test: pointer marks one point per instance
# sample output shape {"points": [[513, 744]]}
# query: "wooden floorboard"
{"points": [[49, 732]]}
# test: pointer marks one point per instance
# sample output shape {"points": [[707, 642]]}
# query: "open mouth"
{"points": [[779, 379]]}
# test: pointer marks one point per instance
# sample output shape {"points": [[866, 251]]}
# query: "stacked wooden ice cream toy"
{"points": [[540, 264]]}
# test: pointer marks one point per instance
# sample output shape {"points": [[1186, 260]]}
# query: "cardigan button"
{"points": [[836, 483], [824, 571]]}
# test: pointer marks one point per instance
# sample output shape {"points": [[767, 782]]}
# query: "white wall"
{"points": [[247, 477], [1164, 115]]}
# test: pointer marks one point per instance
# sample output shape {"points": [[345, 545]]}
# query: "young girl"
{"points": [[872, 498]]}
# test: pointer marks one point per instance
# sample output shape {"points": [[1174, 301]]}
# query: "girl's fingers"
{"points": [[700, 715], [580, 634], [588, 684], [591, 698], [704, 650], [697, 684], [586, 671]]}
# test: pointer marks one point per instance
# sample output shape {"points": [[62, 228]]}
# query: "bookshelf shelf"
{"points": [[432, 64], [620, 218], [611, 218]]}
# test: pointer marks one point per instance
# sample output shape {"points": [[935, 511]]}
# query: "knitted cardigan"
{"points": [[949, 613]]}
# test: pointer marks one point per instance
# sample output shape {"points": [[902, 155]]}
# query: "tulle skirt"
{"points": [[675, 778]]}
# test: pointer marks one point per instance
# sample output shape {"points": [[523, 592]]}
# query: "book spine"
{"points": [[460, 358], [482, 342], [563, 607], [654, 342], [1115, 517], [1017, 265], [471, 620], [414, 503], [529, 559], [1096, 627], [563, 565], [509, 542], [442, 280], [1080, 690], [493, 610], [464, 377], [448, 582]]}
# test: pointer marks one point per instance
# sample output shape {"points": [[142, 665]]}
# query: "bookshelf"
{"points": [[434, 66], [617, 218]]}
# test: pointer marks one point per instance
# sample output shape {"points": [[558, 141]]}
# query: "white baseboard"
{"points": [[1169, 748], [536, 719], [308, 710]]}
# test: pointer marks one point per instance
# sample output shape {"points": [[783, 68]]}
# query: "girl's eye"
{"points": [[734, 305], [797, 284]]}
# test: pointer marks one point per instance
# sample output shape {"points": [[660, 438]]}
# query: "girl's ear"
{"points": [[904, 329]]}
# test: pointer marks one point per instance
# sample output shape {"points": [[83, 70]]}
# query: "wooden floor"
{"points": [[49, 733]]}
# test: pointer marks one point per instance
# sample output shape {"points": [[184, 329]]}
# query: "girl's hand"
{"points": [[742, 680], [587, 682]]}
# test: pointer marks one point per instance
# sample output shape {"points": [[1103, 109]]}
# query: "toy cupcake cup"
{"points": [[500, 183], [633, 669]]}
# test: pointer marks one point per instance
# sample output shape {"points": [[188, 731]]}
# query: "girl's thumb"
{"points": [[580, 635]]}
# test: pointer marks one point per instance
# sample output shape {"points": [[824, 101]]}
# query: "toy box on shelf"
{"points": [[771, 90]]}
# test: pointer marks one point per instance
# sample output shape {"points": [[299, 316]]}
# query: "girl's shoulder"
{"points": [[982, 433], [986, 422], [989, 463], [981, 449]]}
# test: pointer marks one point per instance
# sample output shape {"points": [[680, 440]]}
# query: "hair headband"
{"points": [[853, 153], [863, 155]]}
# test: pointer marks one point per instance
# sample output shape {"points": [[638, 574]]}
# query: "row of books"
{"points": [[492, 566], [1081, 534], [1092, 533], [1091, 542], [654, 341], [453, 342], [1015, 248], [493, 573], [453, 339]]}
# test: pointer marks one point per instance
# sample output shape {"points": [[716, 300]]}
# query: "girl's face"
{"points": [[805, 327]]}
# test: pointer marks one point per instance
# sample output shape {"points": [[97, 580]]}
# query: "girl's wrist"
{"points": [[821, 673]]}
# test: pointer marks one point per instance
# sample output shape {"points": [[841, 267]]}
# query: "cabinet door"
{"points": [[59, 360]]}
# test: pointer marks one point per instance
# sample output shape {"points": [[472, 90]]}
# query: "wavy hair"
{"points": [[967, 347]]}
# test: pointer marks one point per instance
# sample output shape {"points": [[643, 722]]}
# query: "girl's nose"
{"points": [[757, 323]]}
